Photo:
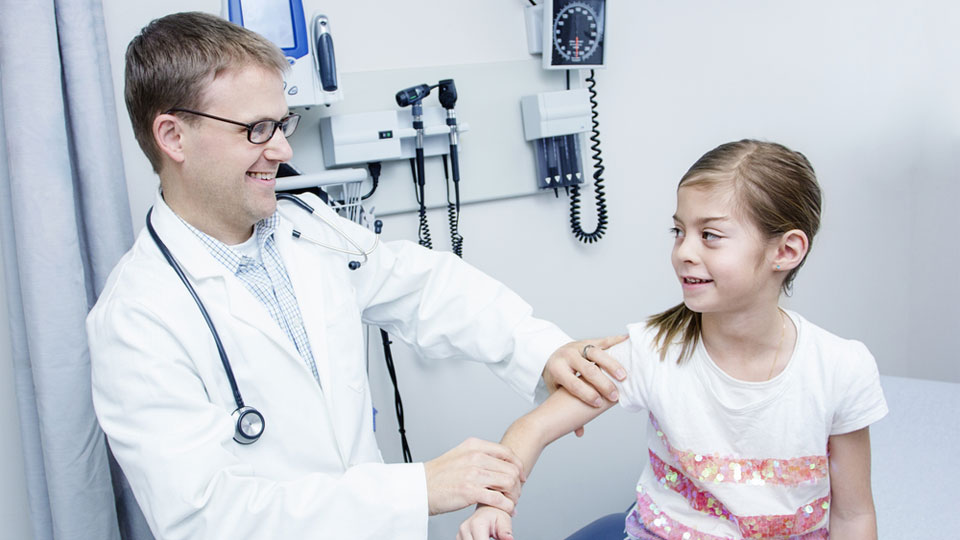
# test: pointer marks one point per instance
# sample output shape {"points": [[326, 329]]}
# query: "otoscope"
{"points": [[448, 98], [414, 96]]}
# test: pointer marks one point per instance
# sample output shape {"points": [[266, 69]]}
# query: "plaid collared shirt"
{"points": [[268, 281]]}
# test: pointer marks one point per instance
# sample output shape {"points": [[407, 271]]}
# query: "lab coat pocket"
{"points": [[345, 343]]}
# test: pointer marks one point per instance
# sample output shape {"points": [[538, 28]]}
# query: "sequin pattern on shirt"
{"points": [[697, 472], [777, 526], [707, 468], [647, 517]]}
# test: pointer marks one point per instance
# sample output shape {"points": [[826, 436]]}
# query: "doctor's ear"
{"points": [[168, 134], [790, 250]]}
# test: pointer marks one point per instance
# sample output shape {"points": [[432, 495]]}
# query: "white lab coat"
{"points": [[164, 401]]}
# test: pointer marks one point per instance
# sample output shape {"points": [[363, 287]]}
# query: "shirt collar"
{"points": [[230, 257]]}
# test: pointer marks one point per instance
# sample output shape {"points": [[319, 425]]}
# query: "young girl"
{"points": [[757, 417]]}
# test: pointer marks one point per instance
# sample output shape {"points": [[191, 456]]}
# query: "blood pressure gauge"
{"points": [[574, 34]]}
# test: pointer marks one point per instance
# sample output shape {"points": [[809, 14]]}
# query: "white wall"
{"points": [[868, 90]]}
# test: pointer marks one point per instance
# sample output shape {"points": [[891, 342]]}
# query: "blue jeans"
{"points": [[609, 527]]}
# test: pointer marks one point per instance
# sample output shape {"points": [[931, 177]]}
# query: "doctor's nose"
{"points": [[278, 148]]}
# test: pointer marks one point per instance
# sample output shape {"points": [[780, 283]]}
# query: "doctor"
{"points": [[206, 102]]}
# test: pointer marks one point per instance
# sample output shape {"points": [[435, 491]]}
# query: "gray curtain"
{"points": [[65, 221]]}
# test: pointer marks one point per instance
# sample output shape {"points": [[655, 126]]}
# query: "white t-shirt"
{"points": [[249, 247], [736, 459]]}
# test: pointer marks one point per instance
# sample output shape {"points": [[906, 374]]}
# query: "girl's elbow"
{"points": [[853, 524]]}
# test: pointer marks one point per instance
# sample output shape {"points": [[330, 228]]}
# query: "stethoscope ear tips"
{"points": [[353, 265]]}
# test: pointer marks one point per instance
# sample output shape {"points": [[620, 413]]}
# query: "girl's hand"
{"points": [[485, 523]]}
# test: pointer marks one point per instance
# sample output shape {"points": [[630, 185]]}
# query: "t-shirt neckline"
{"points": [[712, 375]]}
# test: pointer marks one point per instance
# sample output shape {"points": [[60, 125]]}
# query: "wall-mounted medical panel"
{"points": [[356, 139], [495, 159]]}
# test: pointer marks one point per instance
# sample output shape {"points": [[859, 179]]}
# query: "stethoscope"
{"points": [[357, 251], [249, 421]]}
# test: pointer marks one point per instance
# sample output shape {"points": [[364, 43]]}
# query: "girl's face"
{"points": [[720, 257]]}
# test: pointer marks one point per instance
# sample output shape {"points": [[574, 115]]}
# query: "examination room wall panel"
{"points": [[867, 90]]}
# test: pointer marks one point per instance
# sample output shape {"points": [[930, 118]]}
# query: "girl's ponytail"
{"points": [[677, 322]]}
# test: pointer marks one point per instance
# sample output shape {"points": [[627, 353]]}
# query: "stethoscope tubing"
{"points": [[203, 310], [242, 411], [359, 251]]}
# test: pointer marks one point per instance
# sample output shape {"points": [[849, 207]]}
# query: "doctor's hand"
{"points": [[577, 367], [485, 523], [475, 472]]}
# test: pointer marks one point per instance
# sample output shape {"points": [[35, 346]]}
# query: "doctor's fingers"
{"points": [[496, 499], [602, 358], [605, 360], [576, 366], [496, 479], [585, 380], [597, 368], [487, 480], [482, 478], [504, 459], [465, 474]]}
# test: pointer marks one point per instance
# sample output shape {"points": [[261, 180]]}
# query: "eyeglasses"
{"points": [[257, 132]]}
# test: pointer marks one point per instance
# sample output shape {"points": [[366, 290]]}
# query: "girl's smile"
{"points": [[718, 255]]}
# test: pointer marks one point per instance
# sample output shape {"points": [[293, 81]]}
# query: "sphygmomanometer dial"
{"points": [[577, 33]]}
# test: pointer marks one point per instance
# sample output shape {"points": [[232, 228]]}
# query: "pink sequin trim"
{"points": [[776, 526], [661, 524], [705, 468], [657, 522]]}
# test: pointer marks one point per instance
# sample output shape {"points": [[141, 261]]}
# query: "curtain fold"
{"points": [[65, 220]]}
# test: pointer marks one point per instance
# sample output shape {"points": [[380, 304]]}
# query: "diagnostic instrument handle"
{"points": [[326, 61]]}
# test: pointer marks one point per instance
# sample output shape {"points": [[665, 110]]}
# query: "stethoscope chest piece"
{"points": [[250, 425]]}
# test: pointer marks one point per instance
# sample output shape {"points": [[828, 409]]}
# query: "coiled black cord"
{"points": [[423, 232], [398, 403], [599, 195], [456, 239], [453, 213]]}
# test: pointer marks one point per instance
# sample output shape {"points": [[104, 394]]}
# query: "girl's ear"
{"points": [[790, 250], [168, 134]]}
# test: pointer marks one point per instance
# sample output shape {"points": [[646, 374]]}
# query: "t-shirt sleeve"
{"points": [[860, 400], [634, 355]]}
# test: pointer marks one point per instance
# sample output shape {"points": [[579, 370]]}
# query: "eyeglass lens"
{"points": [[263, 131]]}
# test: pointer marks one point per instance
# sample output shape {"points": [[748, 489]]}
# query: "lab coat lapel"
{"points": [[308, 275], [310, 298], [248, 309], [201, 267]]}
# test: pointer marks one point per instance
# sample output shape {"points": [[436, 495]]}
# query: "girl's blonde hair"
{"points": [[773, 186]]}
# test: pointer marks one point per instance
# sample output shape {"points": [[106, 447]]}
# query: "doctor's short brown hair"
{"points": [[173, 59]]}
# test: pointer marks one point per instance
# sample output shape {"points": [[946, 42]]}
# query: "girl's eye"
{"points": [[709, 236], [676, 232]]}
